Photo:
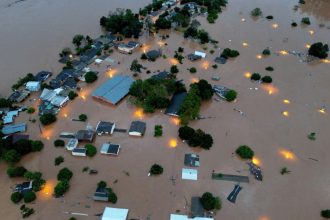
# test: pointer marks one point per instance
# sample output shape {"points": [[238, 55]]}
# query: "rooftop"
{"points": [[175, 104], [110, 149], [85, 135], [137, 126], [114, 214], [14, 128], [104, 127]]}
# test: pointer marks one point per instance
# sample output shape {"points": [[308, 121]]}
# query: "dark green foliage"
{"points": [[123, 22], [22, 81], [102, 184], [180, 49], [302, 2], [37, 146], [266, 52], [174, 69], [112, 197], [205, 90], [158, 131], [65, 52], [192, 70], [294, 24], [11, 156], [58, 160], [256, 12], [178, 56], [284, 170], [306, 21], [90, 77], [267, 79], [72, 95], [191, 32], [83, 117], [208, 201], [29, 197], [72, 218], [5, 103], [64, 174], [61, 188], [31, 110], [135, 66], [245, 152], [269, 68], [163, 23], [312, 136], [156, 169], [16, 171], [23, 147], [229, 53], [59, 143], [37, 181], [231, 95], [196, 138], [77, 40], [26, 211], [182, 17], [186, 133], [144, 56], [319, 50], [91, 150], [270, 17], [189, 109], [203, 36], [47, 119], [255, 76], [325, 213], [215, 66], [16, 197]]}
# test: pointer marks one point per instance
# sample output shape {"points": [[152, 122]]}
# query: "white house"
{"points": [[79, 152], [189, 174], [199, 53], [114, 214], [33, 86], [72, 144]]}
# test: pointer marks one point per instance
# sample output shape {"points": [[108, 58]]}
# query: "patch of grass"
{"points": [[312, 136], [269, 68]]}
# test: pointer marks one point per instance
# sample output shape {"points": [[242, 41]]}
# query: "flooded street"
{"points": [[32, 34]]}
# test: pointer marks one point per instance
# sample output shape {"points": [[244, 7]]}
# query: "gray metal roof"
{"points": [[15, 128], [114, 89], [138, 126], [175, 104]]}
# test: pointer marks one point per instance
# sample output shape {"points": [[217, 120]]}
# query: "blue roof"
{"points": [[15, 128], [114, 89]]}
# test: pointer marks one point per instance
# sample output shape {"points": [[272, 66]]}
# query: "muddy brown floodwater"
{"points": [[32, 33]]}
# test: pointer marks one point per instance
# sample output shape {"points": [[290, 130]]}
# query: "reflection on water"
{"points": [[318, 8]]}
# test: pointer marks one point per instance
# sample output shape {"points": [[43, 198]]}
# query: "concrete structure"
{"points": [[137, 128], [114, 214], [189, 174], [176, 101], [105, 127], [114, 90], [15, 128], [184, 217], [72, 144], [80, 152], [33, 86], [110, 149]]}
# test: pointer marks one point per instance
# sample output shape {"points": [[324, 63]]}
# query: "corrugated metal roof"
{"points": [[114, 89], [15, 128], [175, 104]]}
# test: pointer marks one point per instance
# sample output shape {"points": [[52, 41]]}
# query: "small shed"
{"points": [[153, 54], [104, 127], [80, 152], [114, 214], [193, 57], [191, 160], [33, 86], [72, 144], [137, 128], [189, 174], [101, 194], [23, 187], [199, 53], [110, 149], [85, 135]]}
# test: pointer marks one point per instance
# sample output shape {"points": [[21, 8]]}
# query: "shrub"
{"points": [[180, 49], [26, 211], [91, 150], [269, 68], [16, 197], [325, 213], [294, 24], [306, 21], [102, 184], [215, 66], [47, 119], [72, 95], [38, 184], [59, 143], [144, 56], [64, 174], [255, 77], [112, 198], [266, 52], [58, 160], [158, 131], [256, 12], [31, 110], [267, 79], [312, 136], [208, 201], [319, 50], [29, 197], [11, 156], [16, 171], [185, 132], [270, 17], [37, 146], [245, 152], [284, 170], [61, 188], [231, 95], [83, 117], [227, 52], [90, 77], [174, 69], [192, 70], [156, 169], [302, 2]]}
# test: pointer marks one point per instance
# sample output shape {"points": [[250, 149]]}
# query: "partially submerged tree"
{"points": [[245, 152], [319, 50], [156, 169]]}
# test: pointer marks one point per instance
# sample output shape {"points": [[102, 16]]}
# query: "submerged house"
{"points": [[101, 194], [105, 128], [114, 90], [189, 174], [23, 187], [19, 96], [114, 214], [85, 135], [161, 75], [72, 144], [153, 54], [80, 152], [14, 128], [174, 106], [137, 128], [110, 149], [54, 98], [33, 86], [42, 76]]}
